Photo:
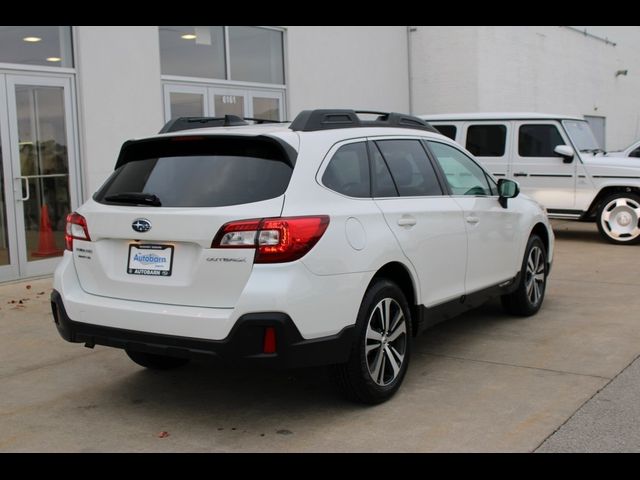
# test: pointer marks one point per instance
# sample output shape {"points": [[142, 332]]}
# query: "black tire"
{"points": [[156, 362], [523, 300], [354, 378], [629, 203]]}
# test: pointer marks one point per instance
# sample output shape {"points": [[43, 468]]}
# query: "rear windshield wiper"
{"points": [[134, 198]]}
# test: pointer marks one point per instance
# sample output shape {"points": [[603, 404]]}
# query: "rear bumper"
{"points": [[244, 344]]}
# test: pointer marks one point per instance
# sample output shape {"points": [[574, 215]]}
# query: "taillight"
{"points": [[76, 228], [276, 240]]}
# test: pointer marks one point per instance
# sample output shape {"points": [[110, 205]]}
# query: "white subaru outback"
{"points": [[331, 240]]}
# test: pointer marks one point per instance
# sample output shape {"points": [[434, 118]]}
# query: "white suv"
{"points": [[558, 162], [331, 240]]}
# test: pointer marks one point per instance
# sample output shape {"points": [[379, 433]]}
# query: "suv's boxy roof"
{"points": [[498, 116]]}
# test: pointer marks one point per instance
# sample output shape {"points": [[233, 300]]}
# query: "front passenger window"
{"points": [[463, 175]]}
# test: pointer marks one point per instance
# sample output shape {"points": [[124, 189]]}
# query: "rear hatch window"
{"points": [[193, 171]]}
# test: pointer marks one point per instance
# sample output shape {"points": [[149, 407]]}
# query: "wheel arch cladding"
{"points": [[541, 231], [400, 275]]}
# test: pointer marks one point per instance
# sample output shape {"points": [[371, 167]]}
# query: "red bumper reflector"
{"points": [[269, 345]]}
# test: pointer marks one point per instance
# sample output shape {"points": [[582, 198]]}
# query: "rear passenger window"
{"points": [[447, 130], [410, 167], [348, 171], [463, 175], [538, 140], [486, 140], [382, 183]]}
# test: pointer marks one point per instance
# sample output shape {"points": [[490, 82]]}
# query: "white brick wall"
{"points": [[541, 69]]}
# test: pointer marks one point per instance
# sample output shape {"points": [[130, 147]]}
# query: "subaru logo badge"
{"points": [[141, 225]]}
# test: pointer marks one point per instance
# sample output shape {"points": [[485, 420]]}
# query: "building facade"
{"points": [[70, 96]]}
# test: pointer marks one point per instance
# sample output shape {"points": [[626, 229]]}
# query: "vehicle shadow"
{"points": [[581, 232], [222, 395]]}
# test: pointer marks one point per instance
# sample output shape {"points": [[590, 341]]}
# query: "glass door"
{"points": [[43, 168], [185, 101], [8, 242], [267, 105], [229, 102], [213, 101]]}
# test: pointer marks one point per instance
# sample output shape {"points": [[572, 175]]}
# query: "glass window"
{"points": [[266, 108], [192, 51], [464, 176], [36, 45], [381, 181], [581, 134], [226, 104], [486, 140], [538, 140], [635, 153], [204, 173], [186, 104], [447, 130], [256, 55], [348, 171], [410, 167]]}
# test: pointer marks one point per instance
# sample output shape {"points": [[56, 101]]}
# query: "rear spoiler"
{"points": [[277, 149]]}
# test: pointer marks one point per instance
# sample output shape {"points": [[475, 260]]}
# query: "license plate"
{"points": [[147, 259]]}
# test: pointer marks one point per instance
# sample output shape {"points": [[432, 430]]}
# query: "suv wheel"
{"points": [[527, 298], [382, 348], [618, 218], [156, 362]]}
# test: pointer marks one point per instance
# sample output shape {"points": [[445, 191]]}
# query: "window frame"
{"points": [[490, 180], [227, 81], [326, 160], [443, 190], [525, 123], [332, 155], [471, 125]]}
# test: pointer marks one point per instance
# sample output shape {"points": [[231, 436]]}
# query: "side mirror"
{"points": [[566, 152], [507, 189]]}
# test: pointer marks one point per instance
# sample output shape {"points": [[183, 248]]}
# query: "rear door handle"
{"points": [[406, 221], [521, 174], [472, 219]]}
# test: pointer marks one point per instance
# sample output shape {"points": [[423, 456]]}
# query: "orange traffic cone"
{"points": [[46, 243]]}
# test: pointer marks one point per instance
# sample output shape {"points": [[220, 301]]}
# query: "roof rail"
{"points": [[188, 123], [313, 120]]}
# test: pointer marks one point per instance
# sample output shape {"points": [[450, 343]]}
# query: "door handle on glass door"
{"points": [[26, 181], [406, 221]]}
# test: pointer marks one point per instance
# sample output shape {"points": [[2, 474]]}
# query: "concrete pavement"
{"points": [[485, 382]]}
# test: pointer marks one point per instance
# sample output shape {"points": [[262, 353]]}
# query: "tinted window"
{"points": [[410, 167], [256, 54], [538, 140], [486, 140], [463, 175], [635, 153], [200, 173], [348, 171], [382, 183], [192, 51], [36, 45], [447, 130]]}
